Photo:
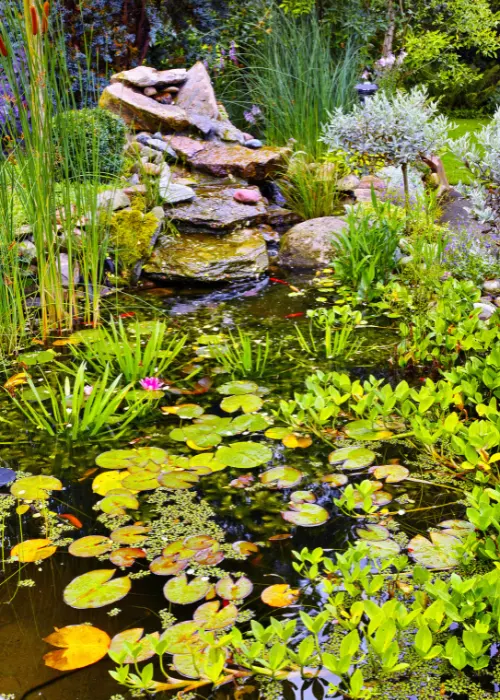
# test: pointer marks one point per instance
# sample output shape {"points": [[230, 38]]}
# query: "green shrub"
{"points": [[89, 143]]}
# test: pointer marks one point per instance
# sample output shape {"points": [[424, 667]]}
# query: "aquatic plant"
{"points": [[243, 355], [331, 332], [311, 189]]}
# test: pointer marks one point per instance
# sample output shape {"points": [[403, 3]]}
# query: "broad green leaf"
{"points": [[95, 589], [244, 455], [143, 480], [31, 488], [392, 473], [352, 457], [210, 616], [179, 590], [440, 552], [373, 533], [143, 647], [185, 411], [182, 638], [178, 480], [117, 501], [306, 514], [303, 497], [90, 546], [248, 403], [108, 481], [238, 388], [36, 358], [124, 459], [277, 433], [367, 430], [281, 477], [229, 589], [335, 480]]}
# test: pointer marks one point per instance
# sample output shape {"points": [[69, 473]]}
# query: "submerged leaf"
{"points": [[95, 590], [367, 430], [80, 646]]}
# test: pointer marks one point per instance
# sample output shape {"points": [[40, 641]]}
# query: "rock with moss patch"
{"points": [[133, 235], [208, 258]]}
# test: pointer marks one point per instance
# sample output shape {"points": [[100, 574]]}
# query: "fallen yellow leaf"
{"points": [[295, 441], [280, 595], [33, 550], [16, 380], [81, 645]]}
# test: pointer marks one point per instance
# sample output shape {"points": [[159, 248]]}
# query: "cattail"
{"points": [[45, 18], [34, 20], [3, 48], [46, 9]]}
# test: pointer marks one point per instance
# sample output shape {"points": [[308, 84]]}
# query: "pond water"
{"points": [[252, 514]]}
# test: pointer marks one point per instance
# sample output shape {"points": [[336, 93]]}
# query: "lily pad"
{"points": [[294, 441], [199, 543], [237, 388], [373, 533], [143, 480], [244, 548], [209, 557], [367, 430], [144, 647], [182, 638], [378, 499], [95, 589], [126, 556], [252, 423], [117, 501], [248, 403], [179, 590], [108, 481], [280, 595], [31, 488], [80, 646], [352, 457], [190, 665], [440, 552], [306, 514], [210, 616], [392, 473], [281, 477], [39, 393], [207, 459], [335, 480], [168, 566], [185, 411], [244, 455], [36, 358], [460, 525], [123, 459], [33, 550], [277, 433], [130, 535], [7, 476], [384, 548], [91, 546], [203, 435], [178, 480], [229, 589], [303, 497]]}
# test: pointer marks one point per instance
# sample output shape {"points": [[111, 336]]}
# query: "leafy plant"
{"points": [[243, 356], [311, 189], [331, 332]]}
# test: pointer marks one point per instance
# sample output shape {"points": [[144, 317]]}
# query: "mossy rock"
{"points": [[132, 235]]}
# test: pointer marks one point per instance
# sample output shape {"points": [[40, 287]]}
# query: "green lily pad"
{"points": [[185, 411], [384, 548], [89, 335], [306, 514], [31, 488], [367, 430], [206, 459], [124, 459], [440, 552], [373, 533], [39, 393], [281, 477], [229, 589], [238, 388], [95, 589], [36, 358], [143, 480], [210, 616], [143, 647], [248, 403], [303, 497], [130, 535], [244, 455], [178, 590], [182, 638], [190, 665], [335, 480], [202, 435], [378, 499], [459, 525], [91, 546], [178, 480], [277, 433], [352, 457], [392, 473], [117, 501]]}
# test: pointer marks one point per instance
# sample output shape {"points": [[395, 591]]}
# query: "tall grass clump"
{"points": [[296, 77], [54, 183]]}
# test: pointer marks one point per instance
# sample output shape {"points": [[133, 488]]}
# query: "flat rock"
{"points": [[146, 77], [173, 193], [310, 245], [208, 258], [113, 200], [141, 112], [197, 98], [215, 211], [220, 159]]}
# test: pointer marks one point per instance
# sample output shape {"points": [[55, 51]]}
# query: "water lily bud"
{"points": [[34, 20]]}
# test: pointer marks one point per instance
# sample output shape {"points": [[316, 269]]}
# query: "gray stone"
{"points": [[487, 310], [253, 143], [174, 193], [143, 137], [27, 250], [165, 176], [158, 144], [152, 155], [159, 212], [310, 245], [113, 200], [197, 98], [491, 286], [65, 271], [158, 135], [348, 183], [150, 91], [208, 258], [144, 77]]}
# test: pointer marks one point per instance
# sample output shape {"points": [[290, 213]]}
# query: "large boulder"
{"points": [[220, 159], [144, 76], [197, 98], [142, 112], [208, 258], [310, 245]]}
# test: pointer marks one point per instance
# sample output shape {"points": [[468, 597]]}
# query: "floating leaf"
{"points": [[108, 481], [130, 535], [39, 393], [184, 411], [335, 480], [179, 590], [281, 477], [306, 514], [277, 433], [209, 616], [33, 550], [95, 590], [378, 499], [303, 497], [7, 476], [229, 589], [117, 501], [182, 638], [207, 460], [280, 595], [245, 548], [208, 557], [36, 358], [32, 488], [143, 647], [384, 548], [168, 566], [248, 403], [126, 556], [143, 480], [80, 646], [202, 435], [238, 388], [352, 457], [244, 455], [392, 473], [190, 665], [201, 542], [142, 457], [252, 423], [91, 546], [242, 481], [439, 553], [373, 533], [178, 480], [457, 525], [295, 441], [367, 430]]}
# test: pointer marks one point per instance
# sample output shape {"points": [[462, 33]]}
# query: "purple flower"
{"points": [[232, 52], [152, 384], [249, 117]]}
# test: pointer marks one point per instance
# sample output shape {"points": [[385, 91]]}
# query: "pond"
{"points": [[231, 505]]}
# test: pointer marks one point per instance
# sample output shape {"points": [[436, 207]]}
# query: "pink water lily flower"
{"points": [[152, 384]]}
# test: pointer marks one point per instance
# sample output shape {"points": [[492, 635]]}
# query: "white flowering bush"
{"points": [[400, 128], [482, 158]]}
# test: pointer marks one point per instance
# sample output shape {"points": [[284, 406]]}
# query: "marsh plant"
{"points": [[400, 128], [243, 355], [331, 333], [311, 189]]}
